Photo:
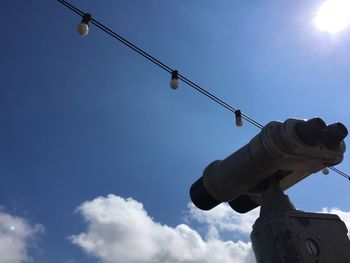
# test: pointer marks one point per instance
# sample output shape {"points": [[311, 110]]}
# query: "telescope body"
{"points": [[290, 151]]}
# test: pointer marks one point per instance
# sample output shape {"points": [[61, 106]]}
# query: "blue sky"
{"points": [[87, 117]]}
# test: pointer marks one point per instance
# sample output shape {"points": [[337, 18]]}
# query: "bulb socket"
{"points": [[86, 18], [174, 74]]}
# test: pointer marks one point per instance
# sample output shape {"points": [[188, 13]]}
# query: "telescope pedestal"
{"points": [[283, 234]]}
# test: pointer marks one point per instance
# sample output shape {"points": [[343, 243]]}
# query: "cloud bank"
{"points": [[16, 237], [120, 231], [224, 219]]}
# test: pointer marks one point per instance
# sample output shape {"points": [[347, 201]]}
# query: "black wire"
{"points": [[160, 64], [170, 70], [340, 172], [130, 45], [72, 7], [218, 100]]}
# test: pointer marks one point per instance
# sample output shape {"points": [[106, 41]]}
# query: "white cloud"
{"points": [[16, 236], [223, 218], [121, 231]]}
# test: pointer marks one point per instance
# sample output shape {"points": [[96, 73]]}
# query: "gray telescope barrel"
{"points": [[290, 151]]}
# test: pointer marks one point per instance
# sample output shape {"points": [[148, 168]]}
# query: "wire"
{"points": [[159, 63], [170, 70], [340, 172], [72, 7], [218, 100], [130, 45]]}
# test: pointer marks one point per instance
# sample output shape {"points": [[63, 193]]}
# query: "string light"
{"points": [[239, 120], [325, 171], [174, 83], [83, 27]]}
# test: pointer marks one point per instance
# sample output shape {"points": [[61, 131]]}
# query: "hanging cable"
{"points": [[172, 72], [159, 63], [72, 7], [340, 172]]}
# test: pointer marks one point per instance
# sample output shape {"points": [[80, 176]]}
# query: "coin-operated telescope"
{"points": [[288, 151]]}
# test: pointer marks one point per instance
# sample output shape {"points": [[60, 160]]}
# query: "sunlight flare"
{"points": [[333, 16]]}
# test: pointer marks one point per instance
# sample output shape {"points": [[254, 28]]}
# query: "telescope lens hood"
{"points": [[200, 196]]}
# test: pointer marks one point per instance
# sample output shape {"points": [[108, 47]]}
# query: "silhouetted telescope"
{"points": [[289, 151]]}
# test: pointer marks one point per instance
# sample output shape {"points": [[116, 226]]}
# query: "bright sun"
{"points": [[333, 16]]}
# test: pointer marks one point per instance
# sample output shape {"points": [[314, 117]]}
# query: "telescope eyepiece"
{"points": [[315, 131], [334, 134], [311, 131]]}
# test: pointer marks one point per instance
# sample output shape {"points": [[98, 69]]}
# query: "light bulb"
{"points": [[174, 83], [325, 171], [239, 120], [83, 27]]}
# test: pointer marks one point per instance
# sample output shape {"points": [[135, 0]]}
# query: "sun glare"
{"points": [[333, 16]]}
